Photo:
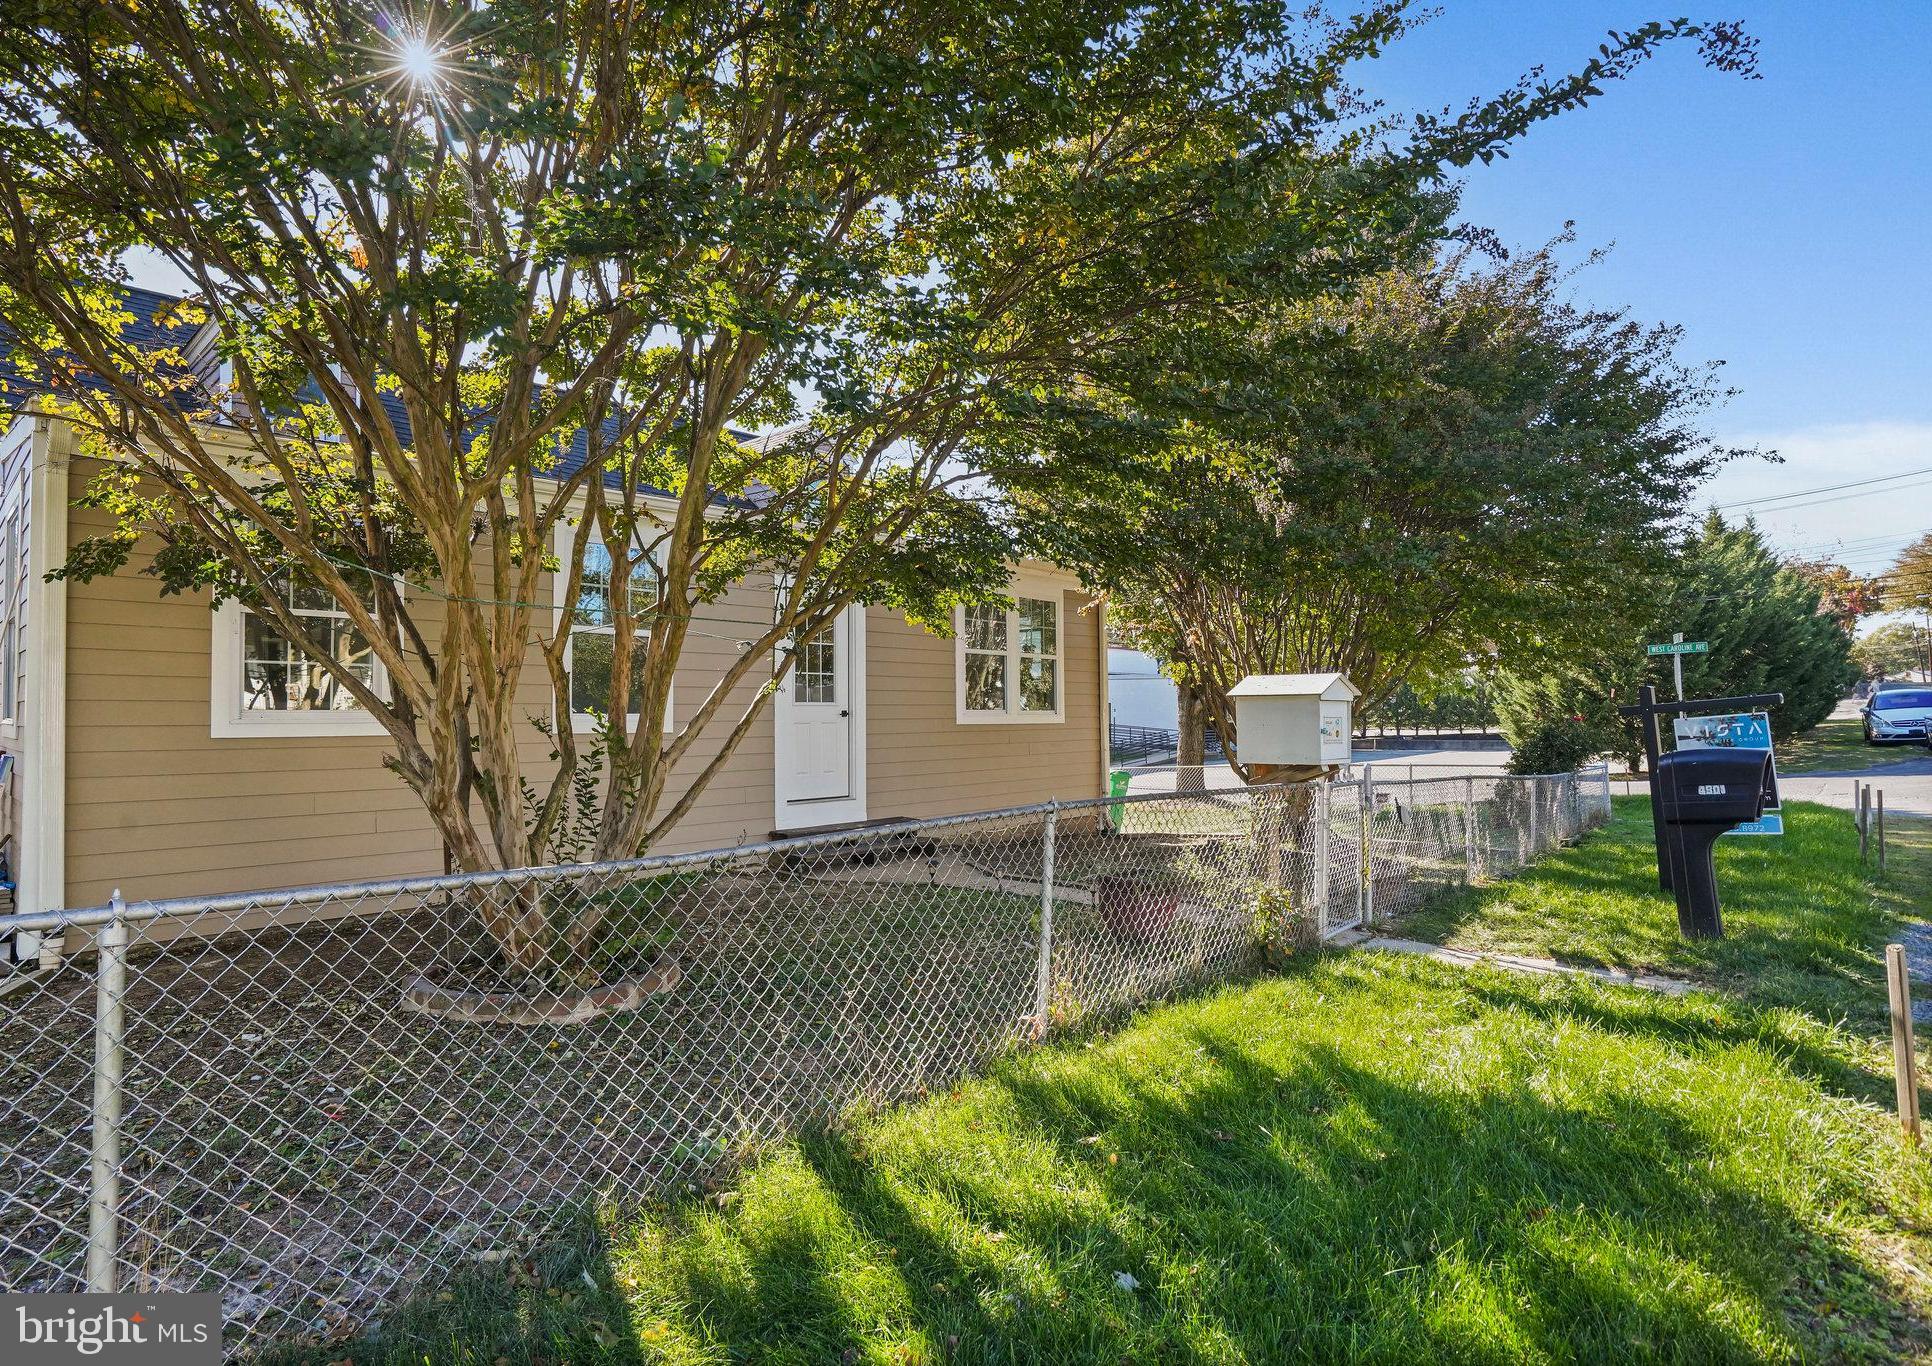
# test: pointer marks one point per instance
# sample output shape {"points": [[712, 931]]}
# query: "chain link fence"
{"points": [[314, 1101]]}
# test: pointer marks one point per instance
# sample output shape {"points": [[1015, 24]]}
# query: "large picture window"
{"points": [[1009, 660], [593, 629], [264, 684]]}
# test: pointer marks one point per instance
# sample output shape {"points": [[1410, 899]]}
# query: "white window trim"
{"points": [[228, 721], [16, 582], [1013, 716], [582, 722]]}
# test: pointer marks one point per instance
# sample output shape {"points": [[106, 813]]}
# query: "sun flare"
{"points": [[419, 60]]}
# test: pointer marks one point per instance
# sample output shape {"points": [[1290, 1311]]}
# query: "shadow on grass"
{"points": [[1704, 1024], [559, 1302], [1269, 1194], [1449, 1195], [1805, 922], [1364, 1160]]}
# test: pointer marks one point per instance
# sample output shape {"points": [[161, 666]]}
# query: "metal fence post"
{"points": [[1043, 985], [104, 1196], [1536, 802], [1322, 879], [1469, 829], [1365, 892]]}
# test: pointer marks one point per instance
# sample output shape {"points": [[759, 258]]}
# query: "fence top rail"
{"points": [[235, 902], [85, 917]]}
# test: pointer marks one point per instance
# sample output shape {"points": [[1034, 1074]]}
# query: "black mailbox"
{"points": [[1705, 792]]}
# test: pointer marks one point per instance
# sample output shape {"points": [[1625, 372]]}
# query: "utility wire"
{"points": [[1840, 497], [1822, 488]]}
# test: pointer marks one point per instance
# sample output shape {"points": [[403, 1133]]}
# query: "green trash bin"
{"points": [[1117, 784]]}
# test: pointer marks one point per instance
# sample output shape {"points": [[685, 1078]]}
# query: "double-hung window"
{"points": [[265, 684], [591, 622], [1009, 660]]}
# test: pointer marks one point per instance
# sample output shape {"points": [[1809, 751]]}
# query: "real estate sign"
{"points": [[1740, 730]]}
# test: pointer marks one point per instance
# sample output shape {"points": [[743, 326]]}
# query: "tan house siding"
{"points": [[158, 807], [923, 762]]}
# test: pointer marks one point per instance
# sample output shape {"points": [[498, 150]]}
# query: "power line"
{"points": [[1849, 547], [1822, 488], [1837, 497]]}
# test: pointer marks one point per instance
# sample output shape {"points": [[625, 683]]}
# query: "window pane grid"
{"points": [[1010, 658], [593, 633], [815, 670], [277, 676]]}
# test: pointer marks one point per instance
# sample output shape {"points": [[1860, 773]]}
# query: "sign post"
{"points": [[1677, 649]]}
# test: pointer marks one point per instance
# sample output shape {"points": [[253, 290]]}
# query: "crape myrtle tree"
{"points": [[1447, 463], [438, 244], [1843, 596], [1907, 587]]}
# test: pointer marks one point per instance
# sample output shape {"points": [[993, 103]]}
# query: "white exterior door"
{"points": [[819, 723]]}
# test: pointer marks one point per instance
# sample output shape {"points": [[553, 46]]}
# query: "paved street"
{"points": [[1399, 765], [1903, 774]]}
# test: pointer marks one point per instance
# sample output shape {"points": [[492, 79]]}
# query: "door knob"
{"points": [[844, 713]]}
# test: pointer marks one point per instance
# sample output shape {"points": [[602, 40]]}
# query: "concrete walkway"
{"points": [[1549, 967]]}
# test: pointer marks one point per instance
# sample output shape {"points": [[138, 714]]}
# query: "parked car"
{"points": [[1897, 715]]}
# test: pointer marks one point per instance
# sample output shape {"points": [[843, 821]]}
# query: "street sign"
{"points": [[1739, 730], [1680, 647]]}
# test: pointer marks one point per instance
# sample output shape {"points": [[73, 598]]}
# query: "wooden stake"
{"points": [[1864, 822], [1881, 829], [1904, 1057]]}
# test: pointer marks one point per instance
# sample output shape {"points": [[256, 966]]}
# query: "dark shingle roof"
{"points": [[146, 305]]}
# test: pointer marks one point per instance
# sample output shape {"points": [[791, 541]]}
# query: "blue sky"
{"points": [[1785, 222]]}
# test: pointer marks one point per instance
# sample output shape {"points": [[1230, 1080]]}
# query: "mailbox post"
{"points": [[1671, 874], [1293, 728], [1705, 793]]}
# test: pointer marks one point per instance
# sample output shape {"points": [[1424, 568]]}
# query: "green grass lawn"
{"points": [[1838, 744], [1367, 1157], [1804, 924]]}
